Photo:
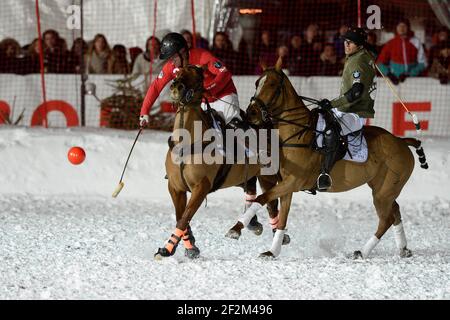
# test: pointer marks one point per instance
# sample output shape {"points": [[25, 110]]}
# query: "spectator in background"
{"points": [[118, 63], [134, 53], [98, 55], [245, 64], [441, 40], [440, 68], [201, 42], [142, 63], [338, 41], [283, 53], [187, 35], [312, 48], [55, 53], [223, 49], [31, 62], [265, 51], [329, 64], [10, 56], [403, 56], [77, 52], [295, 59], [371, 44]]}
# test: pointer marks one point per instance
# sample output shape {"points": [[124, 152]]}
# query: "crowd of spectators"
{"points": [[307, 53]]}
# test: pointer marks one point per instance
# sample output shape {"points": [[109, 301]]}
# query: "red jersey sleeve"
{"points": [[156, 87], [222, 76]]}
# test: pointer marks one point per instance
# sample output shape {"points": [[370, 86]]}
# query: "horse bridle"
{"points": [[187, 94], [266, 115]]}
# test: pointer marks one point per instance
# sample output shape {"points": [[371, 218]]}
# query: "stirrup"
{"points": [[324, 187]]}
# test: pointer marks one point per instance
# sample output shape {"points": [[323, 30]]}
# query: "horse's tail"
{"points": [[419, 150]]}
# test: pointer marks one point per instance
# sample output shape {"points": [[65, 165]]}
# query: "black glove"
{"points": [[325, 104], [393, 78], [402, 77]]}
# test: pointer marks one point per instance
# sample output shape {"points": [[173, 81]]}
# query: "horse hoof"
{"points": [[233, 234], [256, 228], [192, 253], [267, 255], [357, 255], [405, 253], [286, 239], [162, 253]]}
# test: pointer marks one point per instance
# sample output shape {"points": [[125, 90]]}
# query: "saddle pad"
{"points": [[357, 144]]}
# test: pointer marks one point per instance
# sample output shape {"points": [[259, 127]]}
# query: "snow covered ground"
{"points": [[62, 235]]}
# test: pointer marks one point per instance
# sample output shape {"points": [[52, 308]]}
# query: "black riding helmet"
{"points": [[172, 43], [357, 35]]}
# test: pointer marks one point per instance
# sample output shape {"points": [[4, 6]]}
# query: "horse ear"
{"points": [[279, 64], [263, 64]]}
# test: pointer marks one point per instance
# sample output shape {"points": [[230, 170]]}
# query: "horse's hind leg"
{"points": [[250, 195], [199, 192], [399, 232], [386, 187]]}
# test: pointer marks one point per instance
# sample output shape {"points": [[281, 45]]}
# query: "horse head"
{"points": [[274, 93], [187, 87]]}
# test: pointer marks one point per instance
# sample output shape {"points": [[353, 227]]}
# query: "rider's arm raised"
{"points": [[156, 87]]}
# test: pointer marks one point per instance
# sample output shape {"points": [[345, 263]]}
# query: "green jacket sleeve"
{"points": [[357, 72]]}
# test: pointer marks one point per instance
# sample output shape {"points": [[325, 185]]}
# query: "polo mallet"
{"points": [[419, 151], [389, 83], [121, 184]]}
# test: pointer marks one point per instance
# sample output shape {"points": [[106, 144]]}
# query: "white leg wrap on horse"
{"points": [[249, 214], [373, 241], [400, 237], [249, 198], [277, 242]]}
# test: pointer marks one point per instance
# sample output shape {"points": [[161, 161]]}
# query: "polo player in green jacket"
{"points": [[356, 100]]}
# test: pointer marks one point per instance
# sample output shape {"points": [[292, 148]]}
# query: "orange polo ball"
{"points": [[76, 155]]}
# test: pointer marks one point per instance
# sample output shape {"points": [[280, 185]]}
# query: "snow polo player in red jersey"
{"points": [[220, 91]]}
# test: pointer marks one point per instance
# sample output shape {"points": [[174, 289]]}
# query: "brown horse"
{"points": [[386, 171], [193, 174]]}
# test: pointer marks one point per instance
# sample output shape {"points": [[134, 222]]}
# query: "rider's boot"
{"points": [[330, 141]]}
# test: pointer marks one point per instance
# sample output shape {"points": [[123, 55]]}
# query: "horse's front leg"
{"points": [[267, 183], [284, 187], [199, 192], [280, 233]]}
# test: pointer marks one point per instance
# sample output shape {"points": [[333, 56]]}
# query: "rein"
{"points": [[267, 117]]}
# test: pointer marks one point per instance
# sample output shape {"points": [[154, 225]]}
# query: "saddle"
{"points": [[214, 120], [352, 147]]}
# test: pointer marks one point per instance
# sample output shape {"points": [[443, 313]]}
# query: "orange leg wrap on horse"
{"points": [[274, 222], [174, 239], [186, 240]]}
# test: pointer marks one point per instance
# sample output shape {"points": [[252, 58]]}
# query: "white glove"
{"points": [[143, 120]]}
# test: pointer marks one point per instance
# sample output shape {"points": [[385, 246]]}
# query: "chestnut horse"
{"points": [[194, 175], [387, 169]]}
